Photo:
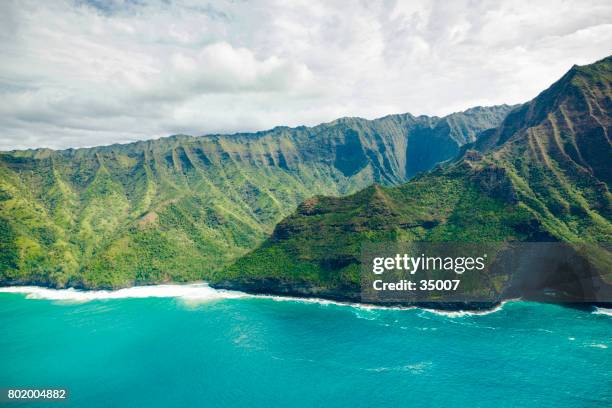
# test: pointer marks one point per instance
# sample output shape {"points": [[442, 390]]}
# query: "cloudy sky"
{"points": [[79, 73]]}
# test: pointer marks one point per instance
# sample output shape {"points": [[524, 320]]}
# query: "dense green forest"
{"points": [[182, 208], [287, 210], [543, 175]]}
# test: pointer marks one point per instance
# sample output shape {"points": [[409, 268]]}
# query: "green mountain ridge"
{"points": [[182, 208], [543, 175]]}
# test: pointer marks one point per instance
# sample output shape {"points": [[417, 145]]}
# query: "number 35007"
{"points": [[432, 284]]}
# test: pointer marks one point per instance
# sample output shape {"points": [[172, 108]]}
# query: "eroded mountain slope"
{"points": [[542, 175], [181, 208]]}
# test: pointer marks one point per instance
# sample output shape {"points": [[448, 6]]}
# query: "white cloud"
{"points": [[82, 73]]}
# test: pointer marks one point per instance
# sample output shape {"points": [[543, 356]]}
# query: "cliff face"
{"points": [[181, 208], [557, 152], [543, 175]]}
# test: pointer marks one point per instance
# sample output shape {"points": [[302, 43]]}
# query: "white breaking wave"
{"points": [[602, 311], [598, 345], [463, 313], [326, 302], [190, 292], [200, 293], [450, 313]]}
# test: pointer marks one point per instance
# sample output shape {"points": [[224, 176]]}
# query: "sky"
{"points": [[77, 73]]}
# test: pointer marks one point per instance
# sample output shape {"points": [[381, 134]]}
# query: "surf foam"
{"points": [[602, 311], [191, 292], [201, 292], [464, 313]]}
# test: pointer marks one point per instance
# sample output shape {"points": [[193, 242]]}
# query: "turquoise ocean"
{"points": [[192, 346]]}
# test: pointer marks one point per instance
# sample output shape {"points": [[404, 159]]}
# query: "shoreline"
{"points": [[286, 293], [289, 291], [201, 291]]}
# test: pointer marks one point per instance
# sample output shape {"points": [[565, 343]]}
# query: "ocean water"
{"points": [[193, 346]]}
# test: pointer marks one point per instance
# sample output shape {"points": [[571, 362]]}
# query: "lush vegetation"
{"points": [[543, 175], [182, 208], [186, 208]]}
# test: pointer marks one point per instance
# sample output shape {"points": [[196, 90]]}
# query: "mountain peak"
{"points": [[583, 88]]}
